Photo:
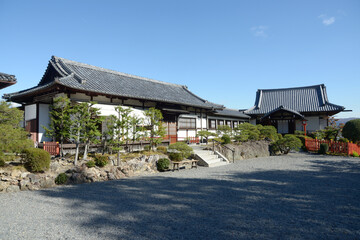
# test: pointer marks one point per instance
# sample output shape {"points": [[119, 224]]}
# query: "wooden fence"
{"points": [[52, 148], [334, 147]]}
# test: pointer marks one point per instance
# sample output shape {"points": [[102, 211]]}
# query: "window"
{"points": [[220, 122], [228, 123], [235, 124], [212, 123], [187, 123]]}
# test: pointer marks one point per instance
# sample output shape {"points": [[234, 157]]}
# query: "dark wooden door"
{"points": [[171, 131]]}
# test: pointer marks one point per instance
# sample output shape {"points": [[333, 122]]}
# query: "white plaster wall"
{"points": [[323, 122], [30, 112], [44, 120], [313, 124]]}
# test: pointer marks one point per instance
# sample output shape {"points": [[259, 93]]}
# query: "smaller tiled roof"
{"points": [[231, 113], [282, 108], [300, 99], [6, 80]]}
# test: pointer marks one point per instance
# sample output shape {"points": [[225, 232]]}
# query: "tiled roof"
{"points": [[231, 113], [90, 78], [301, 99], [282, 108], [6, 80]]}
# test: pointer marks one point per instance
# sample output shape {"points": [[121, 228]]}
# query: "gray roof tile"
{"points": [[231, 113], [6, 80], [301, 99]]}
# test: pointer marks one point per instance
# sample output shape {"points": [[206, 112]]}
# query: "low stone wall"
{"points": [[246, 150], [18, 180]]}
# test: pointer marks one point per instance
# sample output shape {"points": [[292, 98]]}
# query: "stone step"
{"points": [[217, 164]]}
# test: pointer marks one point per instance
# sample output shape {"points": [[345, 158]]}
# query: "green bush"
{"points": [[226, 139], [245, 132], [62, 178], [344, 140], [324, 148], [162, 164], [268, 132], [176, 156], [301, 133], [162, 149], [286, 143], [101, 160], [351, 130], [183, 148], [36, 159], [147, 148], [90, 164], [355, 154]]}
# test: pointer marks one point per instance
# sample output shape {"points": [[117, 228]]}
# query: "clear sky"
{"points": [[222, 50]]}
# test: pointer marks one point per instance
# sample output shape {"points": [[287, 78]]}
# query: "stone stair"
{"points": [[208, 158]]}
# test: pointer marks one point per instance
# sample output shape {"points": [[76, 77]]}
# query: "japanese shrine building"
{"points": [[184, 112], [289, 109]]}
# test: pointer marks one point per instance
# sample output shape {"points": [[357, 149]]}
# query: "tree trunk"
{"points": [[86, 150], [118, 158], [77, 147], [61, 147]]}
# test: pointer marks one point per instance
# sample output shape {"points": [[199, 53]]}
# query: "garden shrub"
{"points": [[301, 133], [324, 148], [162, 164], [176, 156], [344, 140], [36, 159], [355, 154], [351, 130], [101, 160], [183, 148], [286, 143], [2, 161], [267, 132], [147, 148], [162, 149], [226, 139], [245, 132], [90, 164], [62, 178]]}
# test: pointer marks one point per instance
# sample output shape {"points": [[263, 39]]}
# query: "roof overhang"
{"points": [[281, 109]]}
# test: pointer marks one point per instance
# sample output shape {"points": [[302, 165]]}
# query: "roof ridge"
{"points": [[67, 61], [291, 88]]}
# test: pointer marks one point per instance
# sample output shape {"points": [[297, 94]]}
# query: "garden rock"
{"points": [[12, 189]]}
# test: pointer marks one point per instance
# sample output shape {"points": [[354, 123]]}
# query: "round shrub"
{"points": [[324, 148], [101, 160], [162, 164], [62, 178], [90, 164], [226, 139], [183, 148], [147, 148], [355, 154], [351, 130], [162, 149], [176, 156], [286, 143], [36, 159]]}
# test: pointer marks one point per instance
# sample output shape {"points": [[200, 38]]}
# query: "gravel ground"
{"points": [[298, 196]]}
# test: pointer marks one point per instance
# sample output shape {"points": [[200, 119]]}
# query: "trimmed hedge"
{"points": [[101, 160], [36, 159], [62, 178], [162, 149], [355, 154], [162, 164], [351, 130], [183, 148], [176, 156], [226, 139], [324, 148]]}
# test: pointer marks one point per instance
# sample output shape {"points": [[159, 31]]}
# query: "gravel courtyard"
{"points": [[298, 196]]}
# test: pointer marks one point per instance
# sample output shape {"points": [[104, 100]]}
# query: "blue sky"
{"points": [[222, 50]]}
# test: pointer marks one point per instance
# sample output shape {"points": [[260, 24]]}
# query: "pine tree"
{"points": [[59, 128], [121, 129], [157, 130]]}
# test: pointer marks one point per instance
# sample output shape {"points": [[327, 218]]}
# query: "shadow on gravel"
{"points": [[323, 203]]}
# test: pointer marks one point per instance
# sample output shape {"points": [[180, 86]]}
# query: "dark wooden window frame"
{"points": [[211, 123], [187, 123]]}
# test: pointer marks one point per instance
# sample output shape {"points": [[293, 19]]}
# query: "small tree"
{"points": [[224, 130], [13, 138], [121, 129], [108, 133], [205, 134], [157, 130], [267, 131], [287, 143], [351, 130], [92, 120], [136, 130], [245, 132], [59, 128]]}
